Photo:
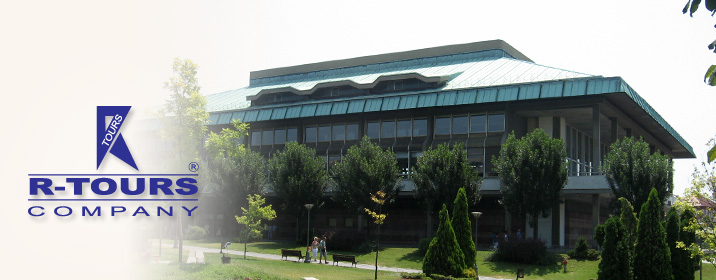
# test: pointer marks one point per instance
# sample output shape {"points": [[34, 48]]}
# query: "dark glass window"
{"points": [[292, 135], [420, 127], [255, 138], [279, 136], [442, 126], [404, 128], [267, 137], [388, 129], [478, 124], [496, 122], [352, 131], [459, 125], [324, 133], [403, 159], [373, 130], [333, 159], [339, 132], [310, 134]]}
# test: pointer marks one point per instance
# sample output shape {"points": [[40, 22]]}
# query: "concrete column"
{"points": [[614, 130], [562, 223], [596, 154], [508, 221]]}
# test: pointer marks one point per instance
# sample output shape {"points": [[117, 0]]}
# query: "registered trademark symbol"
{"points": [[193, 167]]}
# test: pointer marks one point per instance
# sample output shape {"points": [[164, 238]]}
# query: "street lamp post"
{"points": [[476, 215], [308, 227]]}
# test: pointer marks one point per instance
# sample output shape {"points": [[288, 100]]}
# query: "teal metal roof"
{"points": [[480, 77]]}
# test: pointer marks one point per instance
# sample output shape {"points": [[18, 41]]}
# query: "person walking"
{"points": [[322, 250], [314, 247]]}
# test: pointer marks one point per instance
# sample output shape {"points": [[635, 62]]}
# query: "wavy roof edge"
{"points": [[391, 57]]}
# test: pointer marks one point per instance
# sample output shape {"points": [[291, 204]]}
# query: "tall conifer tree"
{"points": [[444, 255], [652, 259], [463, 227]]}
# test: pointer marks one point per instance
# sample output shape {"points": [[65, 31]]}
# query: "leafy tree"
{"points": [[184, 115], [533, 171], [652, 259], [444, 255], [184, 119], [298, 177], [615, 252], [378, 218], [364, 168], [702, 221], [632, 171], [440, 172], [253, 217], [235, 170], [463, 227]]}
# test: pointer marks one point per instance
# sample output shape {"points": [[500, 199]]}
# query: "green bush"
{"points": [[463, 228], [423, 245], [582, 252], [616, 253], [195, 232], [652, 259], [526, 251]]}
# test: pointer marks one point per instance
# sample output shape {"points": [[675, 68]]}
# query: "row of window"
{"points": [[335, 132], [401, 128], [473, 124], [274, 136]]}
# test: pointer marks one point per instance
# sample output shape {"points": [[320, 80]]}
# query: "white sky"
{"points": [[62, 55]]}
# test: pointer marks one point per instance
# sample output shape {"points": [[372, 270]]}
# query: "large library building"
{"points": [[411, 101]]}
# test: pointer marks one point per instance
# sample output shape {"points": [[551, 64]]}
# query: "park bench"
{"points": [[345, 258], [291, 253]]}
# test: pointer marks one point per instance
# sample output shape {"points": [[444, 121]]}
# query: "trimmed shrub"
{"points": [[680, 257], [463, 227], [583, 252], [616, 254], [652, 259], [423, 245], [688, 237], [195, 232], [526, 251], [444, 255]]}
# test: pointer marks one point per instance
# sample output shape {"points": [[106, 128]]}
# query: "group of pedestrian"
{"points": [[505, 236], [319, 250]]}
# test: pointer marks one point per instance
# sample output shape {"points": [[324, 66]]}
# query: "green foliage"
{"points": [[702, 222], [365, 168], [688, 237], [630, 222], [463, 227], [184, 115], [423, 245], [583, 252], [406, 275], [632, 171], [680, 257], [533, 171], [233, 170], [444, 255], [440, 172], [298, 176], [524, 251], [195, 232], [599, 234], [652, 259], [253, 218], [616, 253]]}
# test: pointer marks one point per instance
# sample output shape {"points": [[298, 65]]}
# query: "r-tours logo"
{"points": [[109, 122], [113, 194]]}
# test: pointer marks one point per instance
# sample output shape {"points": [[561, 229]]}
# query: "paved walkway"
{"points": [[295, 259]]}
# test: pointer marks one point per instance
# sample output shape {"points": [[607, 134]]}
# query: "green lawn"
{"points": [[255, 269], [391, 257]]}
